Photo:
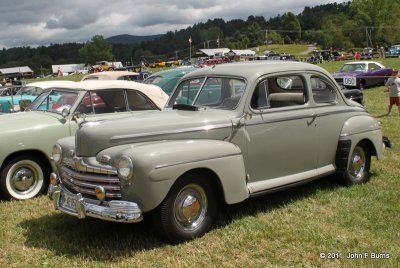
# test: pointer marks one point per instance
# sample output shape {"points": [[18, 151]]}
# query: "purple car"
{"points": [[361, 74]]}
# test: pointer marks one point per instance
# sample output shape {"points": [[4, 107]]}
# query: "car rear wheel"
{"points": [[188, 211], [358, 166], [23, 177]]}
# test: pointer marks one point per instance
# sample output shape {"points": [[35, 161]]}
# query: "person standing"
{"points": [[393, 86]]}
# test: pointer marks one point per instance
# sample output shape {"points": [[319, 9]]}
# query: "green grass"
{"points": [[286, 229], [289, 49]]}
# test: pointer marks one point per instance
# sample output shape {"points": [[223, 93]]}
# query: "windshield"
{"points": [[54, 101], [214, 92], [32, 91]]}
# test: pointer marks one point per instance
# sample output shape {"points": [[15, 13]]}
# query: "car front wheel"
{"points": [[188, 211], [358, 166], [23, 177]]}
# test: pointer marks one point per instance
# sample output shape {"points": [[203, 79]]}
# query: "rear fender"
{"points": [[355, 130]]}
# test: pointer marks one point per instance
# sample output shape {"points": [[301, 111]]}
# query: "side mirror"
{"points": [[65, 112]]}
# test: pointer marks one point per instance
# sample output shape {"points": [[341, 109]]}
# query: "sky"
{"points": [[44, 22]]}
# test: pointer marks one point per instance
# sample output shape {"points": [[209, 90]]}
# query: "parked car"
{"points": [[26, 94], [319, 56], [345, 56], [84, 70], [369, 53], [280, 56], [362, 74], [354, 94], [168, 79], [228, 133], [143, 73], [9, 90], [27, 138], [114, 75], [394, 51], [101, 66]]}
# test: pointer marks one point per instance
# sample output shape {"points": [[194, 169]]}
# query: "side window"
{"points": [[373, 66], [103, 101], [86, 107], [322, 90], [109, 101], [279, 91], [259, 99], [137, 102]]}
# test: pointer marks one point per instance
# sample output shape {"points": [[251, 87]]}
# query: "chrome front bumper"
{"points": [[80, 207]]}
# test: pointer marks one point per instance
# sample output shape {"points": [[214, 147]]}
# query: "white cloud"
{"points": [[43, 22]]}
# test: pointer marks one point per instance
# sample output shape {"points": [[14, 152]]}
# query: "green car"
{"points": [[228, 133], [27, 137], [168, 79]]}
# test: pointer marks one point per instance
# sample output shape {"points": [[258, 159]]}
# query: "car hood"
{"points": [[27, 122], [93, 137]]}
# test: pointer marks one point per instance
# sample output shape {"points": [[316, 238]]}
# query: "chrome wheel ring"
{"points": [[24, 179]]}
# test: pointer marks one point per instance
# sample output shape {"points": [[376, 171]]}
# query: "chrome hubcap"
{"points": [[357, 163], [23, 179], [190, 207]]}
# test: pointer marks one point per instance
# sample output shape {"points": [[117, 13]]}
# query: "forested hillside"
{"points": [[354, 24]]}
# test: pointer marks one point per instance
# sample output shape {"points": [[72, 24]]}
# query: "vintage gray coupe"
{"points": [[27, 137], [228, 133]]}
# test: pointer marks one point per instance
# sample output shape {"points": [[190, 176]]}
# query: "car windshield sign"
{"points": [[213, 92], [54, 101]]}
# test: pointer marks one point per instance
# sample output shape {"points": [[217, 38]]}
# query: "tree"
{"points": [[95, 50], [255, 34], [291, 24]]}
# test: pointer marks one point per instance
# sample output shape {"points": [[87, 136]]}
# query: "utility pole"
{"points": [[266, 38]]}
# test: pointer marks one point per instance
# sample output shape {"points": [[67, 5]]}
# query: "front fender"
{"points": [[157, 165], [363, 128]]}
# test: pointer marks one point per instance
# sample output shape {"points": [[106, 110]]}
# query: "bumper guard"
{"points": [[76, 205]]}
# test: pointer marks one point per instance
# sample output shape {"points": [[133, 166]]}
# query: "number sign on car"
{"points": [[68, 202], [349, 81]]}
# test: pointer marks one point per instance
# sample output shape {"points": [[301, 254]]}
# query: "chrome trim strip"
{"points": [[298, 117], [192, 161], [176, 131], [90, 177], [263, 185], [347, 135], [80, 165], [89, 191], [81, 183]]}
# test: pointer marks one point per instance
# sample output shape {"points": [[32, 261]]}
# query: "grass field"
{"points": [[293, 228]]}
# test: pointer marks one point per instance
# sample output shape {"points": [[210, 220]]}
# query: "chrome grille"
{"points": [[85, 183]]}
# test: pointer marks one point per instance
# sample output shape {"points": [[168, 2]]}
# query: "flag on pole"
{"points": [[190, 40]]}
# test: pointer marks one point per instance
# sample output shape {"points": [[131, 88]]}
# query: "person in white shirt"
{"points": [[393, 86]]}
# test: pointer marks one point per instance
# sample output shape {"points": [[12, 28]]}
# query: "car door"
{"points": [[375, 74], [330, 114], [281, 135]]}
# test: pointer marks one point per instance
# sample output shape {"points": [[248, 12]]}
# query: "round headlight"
{"points": [[56, 154], [124, 168]]}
